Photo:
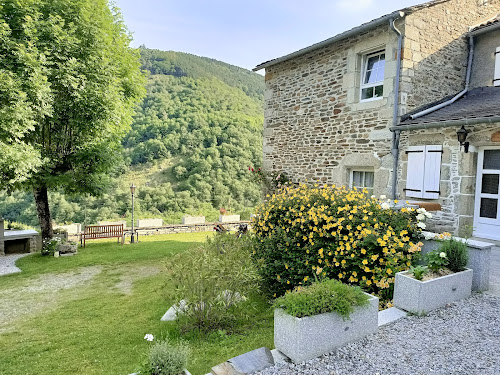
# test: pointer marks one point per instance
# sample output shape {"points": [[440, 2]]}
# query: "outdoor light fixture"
{"points": [[132, 191], [462, 136]]}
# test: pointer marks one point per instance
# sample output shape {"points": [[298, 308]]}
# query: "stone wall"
{"points": [[435, 49], [315, 126], [458, 173]]}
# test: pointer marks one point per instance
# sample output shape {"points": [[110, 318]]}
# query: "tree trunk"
{"points": [[42, 208]]}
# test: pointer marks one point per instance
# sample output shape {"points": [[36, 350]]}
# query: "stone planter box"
{"points": [[421, 297], [305, 338], [193, 220], [229, 218], [479, 258]]}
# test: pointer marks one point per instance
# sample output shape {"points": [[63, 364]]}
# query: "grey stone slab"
{"points": [[225, 368], [421, 297], [172, 312], [390, 315], [305, 338], [252, 361]]}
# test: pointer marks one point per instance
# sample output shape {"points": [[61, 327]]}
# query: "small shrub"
{"points": [[419, 272], [166, 359], [212, 279], [436, 260], [50, 246], [322, 297], [457, 254], [347, 235]]}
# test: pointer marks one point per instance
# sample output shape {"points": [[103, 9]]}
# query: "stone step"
{"points": [[390, 315]]}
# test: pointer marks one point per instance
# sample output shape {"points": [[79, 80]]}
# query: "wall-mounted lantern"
{"points": [[462, 136]]}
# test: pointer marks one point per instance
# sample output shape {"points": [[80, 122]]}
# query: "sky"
{"points": [[246, 33]]}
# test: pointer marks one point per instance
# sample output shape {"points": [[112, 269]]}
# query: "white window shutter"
{"points": [[415, 174], [496, 78], [432, 171]]}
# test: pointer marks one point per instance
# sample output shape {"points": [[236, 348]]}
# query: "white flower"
{"points": [[442, 254], [429, 236], [373, 197], [421, 210], [421, 225], [385, 206], [420, 217], [149, 337], [383, 197], [428, 215]]}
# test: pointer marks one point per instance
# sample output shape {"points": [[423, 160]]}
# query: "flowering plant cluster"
{"points": [[342, 234], [50, 245]]}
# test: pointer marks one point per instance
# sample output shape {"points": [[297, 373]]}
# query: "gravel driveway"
{"points": [[460, 339], [8, 263]]}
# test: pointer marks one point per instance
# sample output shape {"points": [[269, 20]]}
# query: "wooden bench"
{"points": [[94, 232]]}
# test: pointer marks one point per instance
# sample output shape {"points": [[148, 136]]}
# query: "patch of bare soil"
{"points": [[127, 279], [40, 294]]}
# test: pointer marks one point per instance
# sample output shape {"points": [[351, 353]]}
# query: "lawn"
{"points": [[88, 314]]}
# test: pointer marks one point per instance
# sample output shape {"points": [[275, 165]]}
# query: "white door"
{"points": [[487, 207]]}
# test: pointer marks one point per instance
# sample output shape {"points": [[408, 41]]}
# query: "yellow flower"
{"points": [[364, 261], [363, 251], [306, 278]]}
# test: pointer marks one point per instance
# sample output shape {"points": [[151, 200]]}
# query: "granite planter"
{"points": [[421, 297], [479, 258], [305, 338]]}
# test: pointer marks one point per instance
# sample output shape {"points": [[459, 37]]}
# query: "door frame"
{"points": [[477, 197]]}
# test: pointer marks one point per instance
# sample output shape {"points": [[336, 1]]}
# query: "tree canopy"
{"points": [[72, 82]]}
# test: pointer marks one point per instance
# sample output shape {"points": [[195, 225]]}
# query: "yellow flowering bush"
{"points": [[305, 232]]}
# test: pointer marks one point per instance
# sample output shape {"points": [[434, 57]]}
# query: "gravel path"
{"points": [[460, 339], [8, 263]]}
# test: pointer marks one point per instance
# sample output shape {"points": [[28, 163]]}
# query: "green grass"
{"points": [[97, 327]]}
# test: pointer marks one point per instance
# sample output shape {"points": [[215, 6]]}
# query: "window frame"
{"points": [[364, 67], [496, 73], [364, 171]]}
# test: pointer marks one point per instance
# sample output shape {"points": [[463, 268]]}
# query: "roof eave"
{"points": [[352, 32], [485, 29], [446, 124]]}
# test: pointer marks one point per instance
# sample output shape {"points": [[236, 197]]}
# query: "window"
{"points": [[372, 78], [424, 171], [361, 180], [496, 77]]}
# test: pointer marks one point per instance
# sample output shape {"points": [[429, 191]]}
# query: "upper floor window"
{"points": [[372, 78], [496, 77]]}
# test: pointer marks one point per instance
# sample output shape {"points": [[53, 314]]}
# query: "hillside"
{"points": [[188, 149]]}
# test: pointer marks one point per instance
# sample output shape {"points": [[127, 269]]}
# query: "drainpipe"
{"points": [[396, 134], [460, 94]]}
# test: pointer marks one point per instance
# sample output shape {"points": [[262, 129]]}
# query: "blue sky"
{"points": [[246, 33]]}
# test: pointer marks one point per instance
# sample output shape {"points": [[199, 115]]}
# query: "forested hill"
{"points": [[188, 150], [179, 64]]}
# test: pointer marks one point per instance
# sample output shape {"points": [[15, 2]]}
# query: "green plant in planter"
{"points": [[436, 260], [50, 246], [165, 358], [419, 272], [322, 297], [456, 253]]}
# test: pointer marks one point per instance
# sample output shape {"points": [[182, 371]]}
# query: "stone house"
{"points": [[379, 106]]}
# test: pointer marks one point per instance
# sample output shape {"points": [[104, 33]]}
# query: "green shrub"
{"points": [[212, 279], [436, 260], [419, 272], [166, 359], [322, 297], [457, 254], [337, 233]]}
